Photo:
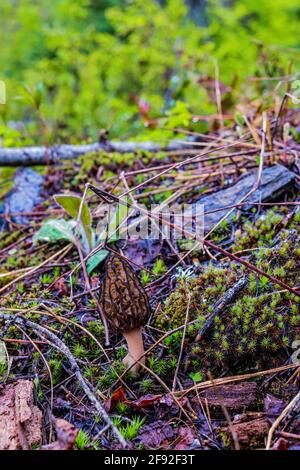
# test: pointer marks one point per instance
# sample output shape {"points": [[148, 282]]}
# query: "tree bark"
{"points": [[30, 156]]}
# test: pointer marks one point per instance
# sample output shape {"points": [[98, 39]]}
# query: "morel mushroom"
{"points": [[126, 307]]}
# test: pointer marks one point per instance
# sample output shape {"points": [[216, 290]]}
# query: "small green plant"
{"points": [[46, 278], [145, 277], [79, 351], [122, 407], [196, 376], [160, 367], [82, 439], [264, 282], [174, 341], [121, 352], [151, 362], [146, 385], [56, 368], [159, 267], [104, 382], [117, 421], [131, 430], [172, 363], [20, 288], [3, 369], [89, 372]]}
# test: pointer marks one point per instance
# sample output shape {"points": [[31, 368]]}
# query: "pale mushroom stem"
{"points": [[135, 345]]}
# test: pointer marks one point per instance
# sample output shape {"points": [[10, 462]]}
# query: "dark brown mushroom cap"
{"points": [[124, 301]]}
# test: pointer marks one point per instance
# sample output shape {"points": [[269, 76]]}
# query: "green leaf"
{"points": [[71, 204], [95, 260], [39, 94], [239, 119], [55, 230], [196, 376], [3, 359]]}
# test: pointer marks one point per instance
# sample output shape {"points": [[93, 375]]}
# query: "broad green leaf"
{"points": [[95, 260], [56, 230], [3, 359], [71, 204]]}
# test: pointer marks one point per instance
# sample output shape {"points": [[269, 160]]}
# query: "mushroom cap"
{"points": [[124, 301]]}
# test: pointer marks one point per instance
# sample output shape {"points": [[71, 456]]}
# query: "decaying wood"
{"points": [[234, 396], [274, 181], [251, 433], [66, 434], [20, 419], [30, 156]]}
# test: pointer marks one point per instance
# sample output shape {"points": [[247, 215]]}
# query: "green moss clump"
{"points": [[8, 238], [257, 329], [200, 292], [260, 232]]}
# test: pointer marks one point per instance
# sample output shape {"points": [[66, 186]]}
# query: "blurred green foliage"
{"points": [[88, 64]]}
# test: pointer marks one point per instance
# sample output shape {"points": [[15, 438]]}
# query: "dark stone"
{"points": [[24, 196], [275, 180]]}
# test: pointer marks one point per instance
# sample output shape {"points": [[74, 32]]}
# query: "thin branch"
{"points": [[30, 156], [219, 306]]}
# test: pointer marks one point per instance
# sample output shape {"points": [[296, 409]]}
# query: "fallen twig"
{"points": [[30, 156], [288, 410], [219, 306]]}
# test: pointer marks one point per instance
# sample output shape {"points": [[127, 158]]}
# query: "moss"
{"points": [[260, 232], [8, 238], [256, 330], [202, 291], [146, 385], [159, 267]]}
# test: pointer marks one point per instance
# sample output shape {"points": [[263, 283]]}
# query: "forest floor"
{"points": [[222, 342]]}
